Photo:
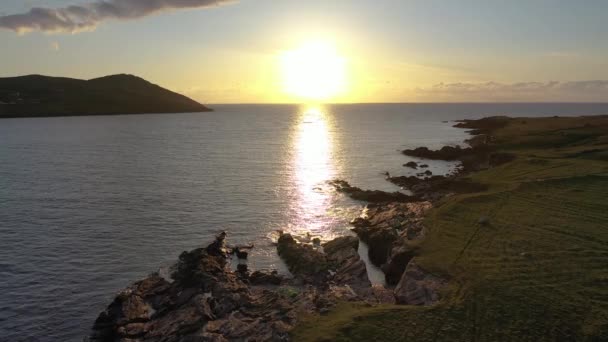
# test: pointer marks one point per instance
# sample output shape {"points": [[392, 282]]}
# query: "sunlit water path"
{"points": [[90, 204]]}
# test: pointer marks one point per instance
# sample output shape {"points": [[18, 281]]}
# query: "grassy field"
{"points": [[537, 272]]}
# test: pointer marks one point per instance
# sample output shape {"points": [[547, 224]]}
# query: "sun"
{"points": [[315, 71]]}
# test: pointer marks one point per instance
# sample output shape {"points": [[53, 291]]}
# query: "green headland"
{"points": [[526, 258]]}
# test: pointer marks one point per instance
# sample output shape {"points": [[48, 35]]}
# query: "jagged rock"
{"points": [[381, 294], [372, 196], [205, 302], [241, 254], [399, 257], [340, 262], [340, 249], [380, 230], [411, 164], [242, 268], [418, 287], [265, 278], [343, 256], [218, 247], [301, 259], [360, 222], [379, 241], [445, 153]]}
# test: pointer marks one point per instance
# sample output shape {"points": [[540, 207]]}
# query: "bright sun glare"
{"points": [[313, 71]]}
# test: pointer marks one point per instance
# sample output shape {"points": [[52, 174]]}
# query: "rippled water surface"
{"points": [[90, 204]]}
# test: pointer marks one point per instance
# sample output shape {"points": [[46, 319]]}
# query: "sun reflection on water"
{"points": [[313, 165]]}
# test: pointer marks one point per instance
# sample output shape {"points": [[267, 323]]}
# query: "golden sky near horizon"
{"points": [[264, 51]]}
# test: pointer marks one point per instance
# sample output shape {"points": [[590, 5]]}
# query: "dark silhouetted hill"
{"points": [[36, 95]]}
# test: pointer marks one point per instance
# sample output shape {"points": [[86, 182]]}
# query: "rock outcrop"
{"points": [[337, 264], [434, 188], [203, 301], [371, 196], [418, 287], [387, 230]]}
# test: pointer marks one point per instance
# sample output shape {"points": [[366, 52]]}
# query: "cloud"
{"points": [[576, 91], [77, 18]]}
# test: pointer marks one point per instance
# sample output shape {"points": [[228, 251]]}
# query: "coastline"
{"points": [[232, 305]]}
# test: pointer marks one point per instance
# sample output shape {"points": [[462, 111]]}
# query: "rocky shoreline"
{"points": [[204, 300]]}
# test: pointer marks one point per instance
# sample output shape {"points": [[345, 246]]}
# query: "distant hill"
{"points": [[36, 95]]}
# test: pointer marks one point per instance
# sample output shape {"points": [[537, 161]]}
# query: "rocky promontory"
{"points": [[204, 299]]}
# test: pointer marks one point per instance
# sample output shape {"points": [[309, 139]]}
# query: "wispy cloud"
{"points": [[86, 17], [594, 90]]}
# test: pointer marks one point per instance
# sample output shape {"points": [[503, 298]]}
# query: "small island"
{"points": [[44, 96]]}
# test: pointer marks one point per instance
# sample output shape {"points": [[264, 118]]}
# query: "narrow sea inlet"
{"points": [[89, 204]]}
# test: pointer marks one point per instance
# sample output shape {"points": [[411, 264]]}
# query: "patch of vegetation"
{"points": [[537, 271]]}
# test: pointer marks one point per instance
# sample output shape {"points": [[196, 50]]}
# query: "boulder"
{"points": [[411, 164], [241, 253]]}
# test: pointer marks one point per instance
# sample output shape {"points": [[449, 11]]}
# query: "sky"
{"points": [[391, 50]]}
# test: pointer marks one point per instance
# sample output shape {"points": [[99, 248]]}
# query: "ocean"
{"points": [[90, 204]]}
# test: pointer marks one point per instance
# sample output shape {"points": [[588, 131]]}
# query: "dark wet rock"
{"points": [[379, 241], [339, 262], [359, 222], [398, 259], [302, 259], [445, 153], [218, 247], [372, 196], [428, 173], [242, 268], [386, 229], [471, 158], [241, 253], [266, 278], [411, 164], [424, 165], [418, 287]]}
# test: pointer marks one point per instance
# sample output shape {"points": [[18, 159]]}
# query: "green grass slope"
{"points": [[537, 272], [36, 95]]}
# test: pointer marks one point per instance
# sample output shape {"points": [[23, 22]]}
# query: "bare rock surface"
{"points": [[203, 301], [418, 287]]}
